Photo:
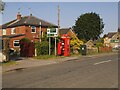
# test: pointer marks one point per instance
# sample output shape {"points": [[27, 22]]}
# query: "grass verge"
{"points": [[52, 57], [9, 63], [47, 57]]}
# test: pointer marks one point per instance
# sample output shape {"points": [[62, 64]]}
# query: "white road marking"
{"points": [[102, 62]]}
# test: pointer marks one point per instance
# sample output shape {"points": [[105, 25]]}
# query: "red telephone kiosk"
{"points": [[64, 45]]}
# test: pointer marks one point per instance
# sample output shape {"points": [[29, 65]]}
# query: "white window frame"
{"points": [[17, 41], [4, 32], [12, 30], [32, 28]]}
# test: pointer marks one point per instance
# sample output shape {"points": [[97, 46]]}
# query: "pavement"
{"points": [[24, 63]]}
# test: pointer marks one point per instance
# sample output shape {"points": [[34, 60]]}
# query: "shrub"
{"points": [[75, 44], [42, 48], [25, 40]]}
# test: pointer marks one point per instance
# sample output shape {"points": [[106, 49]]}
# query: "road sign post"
{"points": [[49, 46], [52, 32], [55, 46]]}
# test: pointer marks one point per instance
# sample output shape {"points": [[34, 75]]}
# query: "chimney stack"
{"points": [[18, 16]]}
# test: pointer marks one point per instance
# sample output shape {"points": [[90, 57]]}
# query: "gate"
{"points": [[27, 49]]}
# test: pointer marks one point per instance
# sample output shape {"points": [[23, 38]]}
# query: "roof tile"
{"points": [[28, 20]]}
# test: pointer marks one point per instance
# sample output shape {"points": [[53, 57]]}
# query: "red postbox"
{"points": [[64, 45]]}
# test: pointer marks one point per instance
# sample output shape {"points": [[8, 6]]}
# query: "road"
{"points": [[85, 72]]}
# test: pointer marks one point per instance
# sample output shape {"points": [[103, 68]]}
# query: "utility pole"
{"points": [[19, 9], [30, 11], [55, 47], [58, 28], [58, 20], [49, 45], [40, 32]]}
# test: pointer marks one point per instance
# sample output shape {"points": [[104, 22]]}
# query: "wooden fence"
{"points": [[105, 49], [99, 50]]}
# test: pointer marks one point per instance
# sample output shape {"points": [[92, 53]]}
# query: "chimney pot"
{"points": [[30, 14]]}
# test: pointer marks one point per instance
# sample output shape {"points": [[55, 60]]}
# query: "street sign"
{"points": [[114, 41], [52, 32]]}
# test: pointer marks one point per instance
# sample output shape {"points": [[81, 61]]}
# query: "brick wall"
{"points": [[24, 30], [18, 30], [12, 40], [34, 36]]}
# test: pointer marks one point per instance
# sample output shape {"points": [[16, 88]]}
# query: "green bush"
{"points": [[37, 47], [42, 48], [25, 40]]}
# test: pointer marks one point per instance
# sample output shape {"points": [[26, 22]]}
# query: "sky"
{"points": [[119, 14], [69, 11], [60, 0]]}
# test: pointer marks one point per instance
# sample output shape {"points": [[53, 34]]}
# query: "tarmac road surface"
{"points": [[86, 72]]}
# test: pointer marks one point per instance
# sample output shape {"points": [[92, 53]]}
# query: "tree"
{"points": [[88, 26], [100, 42], [105, 36]]}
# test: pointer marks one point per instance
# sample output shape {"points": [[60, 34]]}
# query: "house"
{"points": [[112, 39], [68, 31], [0, 31], [90, 44], [29, 27]]}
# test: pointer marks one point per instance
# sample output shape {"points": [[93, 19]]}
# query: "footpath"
{"points": [[24, 63], [31, 62]]}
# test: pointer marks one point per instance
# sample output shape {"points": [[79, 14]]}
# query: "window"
{"points": [[4, 32], [13, 31], [33, 29], [16, 43]]}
